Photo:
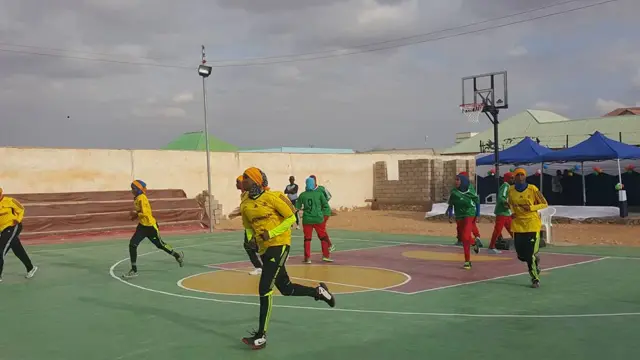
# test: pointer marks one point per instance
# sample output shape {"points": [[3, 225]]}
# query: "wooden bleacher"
{"points": [[97, 212]]}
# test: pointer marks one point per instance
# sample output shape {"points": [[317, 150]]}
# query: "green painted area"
{"points": [[195, 141], [74, 309]]}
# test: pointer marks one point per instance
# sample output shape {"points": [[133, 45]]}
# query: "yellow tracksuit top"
{"points": [[143, 208], [271, 211], [11, 212], [525, 221]]}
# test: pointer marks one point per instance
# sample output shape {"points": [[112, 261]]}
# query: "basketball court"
{"points": [[397, 296]]}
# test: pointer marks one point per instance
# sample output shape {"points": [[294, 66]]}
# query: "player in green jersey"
{"points": [[464, 201], [502, 212], [313, 203]]}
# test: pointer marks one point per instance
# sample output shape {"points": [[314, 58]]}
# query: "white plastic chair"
{"points": [[545, 217], [490, 199]]}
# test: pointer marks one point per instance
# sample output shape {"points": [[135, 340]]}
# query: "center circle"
{"points": [[341, 279]]}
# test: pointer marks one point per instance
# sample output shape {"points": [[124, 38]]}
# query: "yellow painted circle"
{"points": [[446, 256], [341, 279]]}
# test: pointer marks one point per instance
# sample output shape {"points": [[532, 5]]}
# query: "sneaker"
{"points": [[476, 246], [467, 265], [459, 243], [479, 242], [332, 248], [327, 259], [131, 274], [256, 271], [32, 272], [297, 227], [535, 284], [306, 261], [256, 341], [324, 295], [494, 251], [180, 258]]}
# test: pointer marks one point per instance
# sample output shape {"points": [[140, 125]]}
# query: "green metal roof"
{"points": [[553, 130], [194, 141]]}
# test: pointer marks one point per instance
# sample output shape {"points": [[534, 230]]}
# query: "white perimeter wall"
{"points": [[349, 177]]}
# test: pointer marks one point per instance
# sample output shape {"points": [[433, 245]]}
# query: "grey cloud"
{"points": [[275, 5], [389, 98]]}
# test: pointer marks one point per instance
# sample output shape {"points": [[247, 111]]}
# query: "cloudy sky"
{"points": [[579, 64]]}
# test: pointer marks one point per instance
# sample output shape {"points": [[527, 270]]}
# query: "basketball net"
{"points": [[472, 111]]}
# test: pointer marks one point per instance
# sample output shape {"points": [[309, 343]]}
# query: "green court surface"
{"points": [[398, 297]]}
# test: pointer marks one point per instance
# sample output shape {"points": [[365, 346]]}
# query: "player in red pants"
{"points": [[327, 211], [313, 204], [502, 212], [464, 201], [474, 225]]}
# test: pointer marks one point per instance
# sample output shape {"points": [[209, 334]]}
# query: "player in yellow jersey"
{"points": [[267, 217], [249, 246], [147, 228], [11, 215], [525, 200]]}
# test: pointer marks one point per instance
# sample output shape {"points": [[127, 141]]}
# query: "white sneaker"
{"points": [[256, 271], [297, 227], [32, 272]]}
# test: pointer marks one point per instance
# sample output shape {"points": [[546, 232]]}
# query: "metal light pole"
{"points": [[204, 71]]}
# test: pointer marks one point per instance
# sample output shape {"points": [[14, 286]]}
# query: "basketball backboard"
{"points": [[488, 89]]}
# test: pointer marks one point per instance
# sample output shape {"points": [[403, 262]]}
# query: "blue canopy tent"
{"points": [[596, 148], [526, 151]]}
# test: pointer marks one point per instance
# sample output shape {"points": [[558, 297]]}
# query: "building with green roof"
{"points": [[195, 141], [551, 130]]}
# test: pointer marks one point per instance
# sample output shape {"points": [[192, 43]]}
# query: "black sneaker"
{"points": [[325, 295], [256, 341], [476, 246], [535, 284]]}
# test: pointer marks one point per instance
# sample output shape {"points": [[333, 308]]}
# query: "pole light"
{"points": [[204, 71]]}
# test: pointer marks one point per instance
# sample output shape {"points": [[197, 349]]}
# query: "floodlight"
{"points": [[204, 70]]}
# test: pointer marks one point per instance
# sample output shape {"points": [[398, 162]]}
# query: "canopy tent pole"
{"points": [[542, 177], [584, 188], [622, 195]]}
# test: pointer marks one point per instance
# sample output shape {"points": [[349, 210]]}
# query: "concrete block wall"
{"points": [[419, 180]]}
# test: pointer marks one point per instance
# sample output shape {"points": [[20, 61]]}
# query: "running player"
{"points": [[463, 201], [525, 200], [267, 217], [502, 212], [11, 215], [249, 246], [147, 228], [314, 203]]}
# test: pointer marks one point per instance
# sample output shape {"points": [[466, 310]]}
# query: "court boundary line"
{"points": [[505, 276], [363, 311], [364, 288]]}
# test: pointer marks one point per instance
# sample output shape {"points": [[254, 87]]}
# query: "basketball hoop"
{"points": [[472, 111]]}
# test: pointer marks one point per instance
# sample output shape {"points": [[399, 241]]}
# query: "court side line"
{"points": [[362, 311], [365, 288], [506, 276]]}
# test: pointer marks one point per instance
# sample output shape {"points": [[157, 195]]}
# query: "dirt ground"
{"points": [[404, 222]]}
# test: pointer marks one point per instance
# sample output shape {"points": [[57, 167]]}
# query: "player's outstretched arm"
{"points": [[539, 201], [284, 207]]}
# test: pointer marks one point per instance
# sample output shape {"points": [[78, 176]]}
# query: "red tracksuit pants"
{"points": [[466, 231], [321, 231], [501, 222]]}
